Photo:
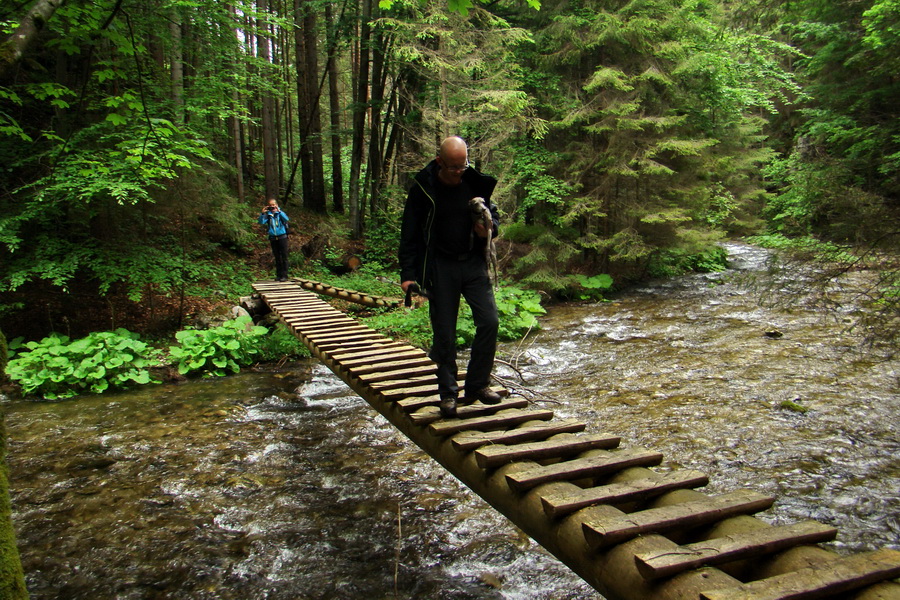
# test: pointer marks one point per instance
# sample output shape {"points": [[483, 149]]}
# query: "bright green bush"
{"points": [[593, 287], [218, 350], [518, 310], [57, 368]]}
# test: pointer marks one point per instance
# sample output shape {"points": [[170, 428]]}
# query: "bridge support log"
{"points": [[609, 545]]}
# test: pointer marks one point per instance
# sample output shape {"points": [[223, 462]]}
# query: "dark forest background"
{"points": [[139, 138]]}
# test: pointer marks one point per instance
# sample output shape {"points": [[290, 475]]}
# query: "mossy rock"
{"points": [[12, 579]]}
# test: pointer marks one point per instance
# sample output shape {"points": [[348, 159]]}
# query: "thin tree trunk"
{"points": [[177, 67], [373, 173], [236, 144], [334, 101], [270, 154], [304, 151], [250, 131], [288, 97], [357, 206], [316, 201]]}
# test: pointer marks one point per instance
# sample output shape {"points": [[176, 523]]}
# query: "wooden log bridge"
{"points": [[630, 531]]}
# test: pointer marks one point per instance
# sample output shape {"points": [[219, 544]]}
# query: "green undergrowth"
{"points": [[808, 246], [57, 367], [671, 263], [518, 311]]}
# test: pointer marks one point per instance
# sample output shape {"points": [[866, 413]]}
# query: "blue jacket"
{"points": [[275, 223]]}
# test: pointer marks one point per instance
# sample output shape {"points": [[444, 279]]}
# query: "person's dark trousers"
{"points": [[280, 252], [451, 278]]}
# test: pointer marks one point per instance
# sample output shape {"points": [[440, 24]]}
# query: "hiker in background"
{"points": [[275, 221]]}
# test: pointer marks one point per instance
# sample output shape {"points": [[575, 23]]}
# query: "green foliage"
{"points": [[138, 270], [518, 310], [670, 263], [122, 160], [56, 368], [383, 230], [457, 6], [371, 279], [594, 286], [844, 165], [651, 118], [218, 350], [4, 356], [522, 233], [280, 344], [806, 245], [412, 325], [541, 193]]}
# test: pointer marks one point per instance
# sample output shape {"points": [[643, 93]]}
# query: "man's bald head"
{"points": [[453, 158], [452, 146]]}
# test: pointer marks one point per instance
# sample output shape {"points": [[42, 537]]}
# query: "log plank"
{"points": [[508, 418], [536, 431], [581, 468], [619, 493], [759, 542], [496, 455], [823, 580], [682, 516]]}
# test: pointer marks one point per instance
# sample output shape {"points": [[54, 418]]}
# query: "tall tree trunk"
{"points": [[250, 131], [177, 67], [270, 153], [334, 103], [304, 151], [13, 47], [288, 130], [360, 106], [236, 142], [316, 194], [373, 173]]}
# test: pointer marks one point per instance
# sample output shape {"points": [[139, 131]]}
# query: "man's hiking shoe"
{"points": [[486, 395], [448, 407]]}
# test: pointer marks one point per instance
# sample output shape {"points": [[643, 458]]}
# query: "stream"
{"points": [[280, 483]]}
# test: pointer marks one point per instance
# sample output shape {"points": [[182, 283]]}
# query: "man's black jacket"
{"points": [[416, 247]]}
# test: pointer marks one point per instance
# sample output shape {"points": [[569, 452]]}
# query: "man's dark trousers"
{"points": [[465, 276], [280, 252]]}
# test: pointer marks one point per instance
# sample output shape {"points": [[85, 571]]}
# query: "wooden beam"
{"points": [[557, 506], [824, 580], [751, 544], [583, 468], [675, 517]]}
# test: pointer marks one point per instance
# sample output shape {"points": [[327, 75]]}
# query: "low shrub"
{"points": [[58, 368], [218, 350]]}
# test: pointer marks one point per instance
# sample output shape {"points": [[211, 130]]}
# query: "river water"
{"points": [[282, 484]]}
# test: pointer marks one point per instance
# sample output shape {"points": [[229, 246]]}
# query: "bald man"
{"points": [[442, 250]]}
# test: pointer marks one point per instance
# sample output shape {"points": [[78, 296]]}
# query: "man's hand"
{"points": [[480, 229], [405, 285]]}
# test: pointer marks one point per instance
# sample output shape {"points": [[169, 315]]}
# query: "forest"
{"points": [[138, 140]]}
